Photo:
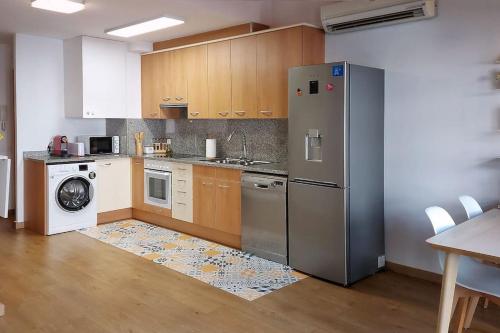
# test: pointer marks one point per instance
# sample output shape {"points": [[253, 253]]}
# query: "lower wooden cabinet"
{"points": [[138, 184], [204, 201], [217, 199], [228, 207]]}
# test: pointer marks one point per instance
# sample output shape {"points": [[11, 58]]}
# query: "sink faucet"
{"points": [[243, 142]]}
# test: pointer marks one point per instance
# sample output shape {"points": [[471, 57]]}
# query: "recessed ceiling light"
{"points": [[144, 27], [60, 6]]}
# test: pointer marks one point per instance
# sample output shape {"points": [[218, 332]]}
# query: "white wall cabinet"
{"points": [[101, 79], [114, 185], [182, 192]]}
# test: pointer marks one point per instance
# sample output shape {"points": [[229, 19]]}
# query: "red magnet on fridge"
{"points": [[329, 86]]}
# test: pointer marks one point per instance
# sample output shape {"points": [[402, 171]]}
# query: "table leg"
{"points": [[447, 292]]}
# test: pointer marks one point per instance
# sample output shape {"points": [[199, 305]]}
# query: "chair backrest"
{"points": [[440, 219], [471, 206]]}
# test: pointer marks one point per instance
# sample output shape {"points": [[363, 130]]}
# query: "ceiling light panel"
{"points": [[144, 27], [60, 6]]}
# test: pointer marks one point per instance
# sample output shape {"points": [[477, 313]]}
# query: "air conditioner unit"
{"points": [[349, 15]]}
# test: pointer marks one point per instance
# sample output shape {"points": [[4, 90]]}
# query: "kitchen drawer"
{"points": [[182, 192], [182, 210], [182, 196], [183, 170], [182, 185]]}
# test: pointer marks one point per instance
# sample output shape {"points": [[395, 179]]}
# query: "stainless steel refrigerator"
{"points": [[336, 171]]}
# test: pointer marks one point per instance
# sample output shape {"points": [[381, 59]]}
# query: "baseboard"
{"points": [[414, 272], [115, 215], [17, 225], [189, 228]]}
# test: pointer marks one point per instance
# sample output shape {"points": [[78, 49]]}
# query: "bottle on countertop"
{"points": [[168, 148]]}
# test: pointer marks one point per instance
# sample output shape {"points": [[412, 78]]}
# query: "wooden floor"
{"points": [[72, 283]]}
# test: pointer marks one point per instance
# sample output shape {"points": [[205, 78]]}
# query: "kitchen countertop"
{"points": [[272, 168]]}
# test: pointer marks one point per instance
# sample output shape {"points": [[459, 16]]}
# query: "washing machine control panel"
{"points": [[71, 168]]}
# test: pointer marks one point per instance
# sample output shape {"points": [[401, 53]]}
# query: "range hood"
{"points": [[173, 105], [173, 110]]}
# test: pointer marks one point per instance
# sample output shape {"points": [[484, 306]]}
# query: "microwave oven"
{"points": [[100, 144]]}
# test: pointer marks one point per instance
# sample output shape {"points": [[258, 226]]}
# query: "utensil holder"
{"points": [[138, 148]]}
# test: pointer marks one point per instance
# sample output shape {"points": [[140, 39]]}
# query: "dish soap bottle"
{"points": [[168, 150]]}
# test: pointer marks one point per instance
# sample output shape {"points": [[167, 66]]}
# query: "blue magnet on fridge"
{"points": [[338, 70]]}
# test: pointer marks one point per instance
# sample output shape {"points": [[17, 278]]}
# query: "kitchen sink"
{"points": [[235, 161]]}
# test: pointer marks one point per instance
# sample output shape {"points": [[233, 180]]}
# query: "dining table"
{"points": [[477, 238]]}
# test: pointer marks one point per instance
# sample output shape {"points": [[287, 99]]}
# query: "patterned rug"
{"points": [[234, 271]]}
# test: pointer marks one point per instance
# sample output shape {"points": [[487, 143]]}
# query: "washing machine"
{"points": [[71, 197]]}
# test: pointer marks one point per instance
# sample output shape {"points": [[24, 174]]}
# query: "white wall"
{"points": [[6, 100], [442, 118], [40, 102]]}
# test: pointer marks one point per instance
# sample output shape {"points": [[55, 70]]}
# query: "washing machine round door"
{"points": [[74, 194]]}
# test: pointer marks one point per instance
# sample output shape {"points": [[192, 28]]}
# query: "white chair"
{"points": [[471, 206], [473, 209], [475, 278]]}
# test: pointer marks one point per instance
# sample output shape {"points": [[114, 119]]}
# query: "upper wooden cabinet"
{"points": [[197, 81], [276, 52], [178, 76], [151, 85], [241, 77], [219, 80], [244, 77]]}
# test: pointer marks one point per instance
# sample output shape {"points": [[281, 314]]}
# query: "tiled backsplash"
{"points": [[266, 139]]}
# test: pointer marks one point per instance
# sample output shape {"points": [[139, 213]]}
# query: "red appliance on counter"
{"points": [[59, 146]]}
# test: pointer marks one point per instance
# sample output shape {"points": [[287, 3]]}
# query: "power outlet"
{"points": [[381, 261]]}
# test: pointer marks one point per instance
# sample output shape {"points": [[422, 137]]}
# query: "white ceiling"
{"points": [[17, 16]]}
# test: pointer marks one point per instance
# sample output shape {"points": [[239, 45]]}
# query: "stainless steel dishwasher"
{"points": [[264, 216]]}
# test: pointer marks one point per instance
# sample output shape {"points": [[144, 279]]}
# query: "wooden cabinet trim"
{"points": [[257, 33], [35, 196], [189, 228]]}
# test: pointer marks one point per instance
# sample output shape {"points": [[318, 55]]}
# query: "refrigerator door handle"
{"points": [[313, 182]]}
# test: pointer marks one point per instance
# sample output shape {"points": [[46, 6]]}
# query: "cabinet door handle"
{"points": [[181, 203], [179, 98], [266, 112], [223, 186], [194, 114], [181, 169], [166, 99], [183, 192], [207, 184], [240, 113], [223, 114], [107, 164], [181, 180]]}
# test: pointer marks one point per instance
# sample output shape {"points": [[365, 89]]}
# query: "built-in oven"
{"points": [[158, 183]]}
